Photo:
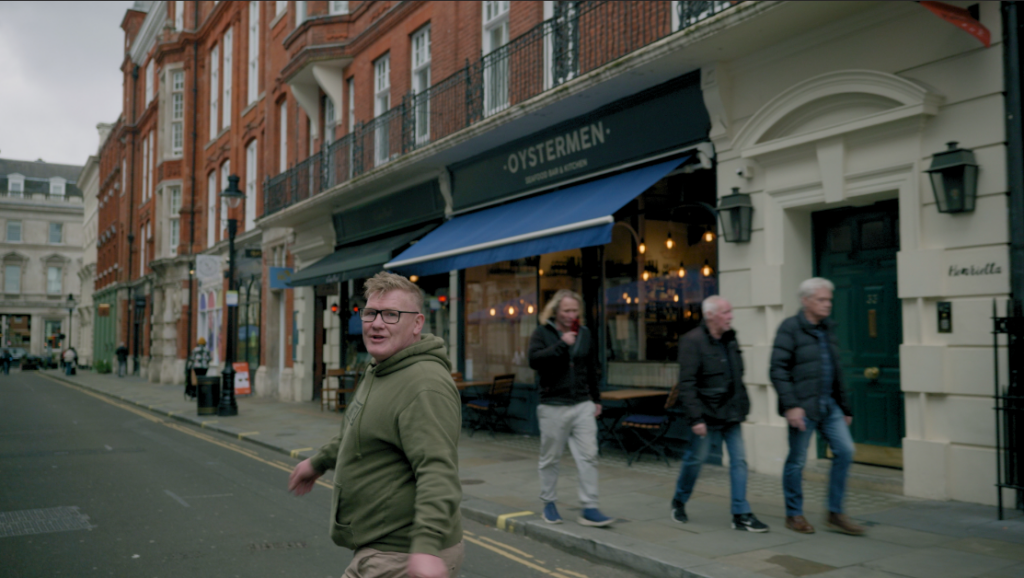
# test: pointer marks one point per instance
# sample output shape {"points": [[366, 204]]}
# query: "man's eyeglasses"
{"points": [[390, 316]]}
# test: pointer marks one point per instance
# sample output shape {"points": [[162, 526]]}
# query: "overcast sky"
{"points": [[59, 76]]}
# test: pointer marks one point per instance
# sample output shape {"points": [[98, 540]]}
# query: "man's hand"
{"points": [[700, 429], [849, 420], [597, 410], [426, 566], [302, 479], [795, 417], [569, 337]]}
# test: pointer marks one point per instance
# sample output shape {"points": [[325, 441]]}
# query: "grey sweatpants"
{"points": [[577, 425]]}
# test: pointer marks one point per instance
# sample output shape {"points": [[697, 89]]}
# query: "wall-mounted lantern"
{"points": [[736, 212], [954, 175]]}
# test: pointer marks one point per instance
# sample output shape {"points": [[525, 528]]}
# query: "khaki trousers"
{"points": [[370, 563]]}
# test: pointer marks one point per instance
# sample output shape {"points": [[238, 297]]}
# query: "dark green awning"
{"points": [[356, 261]]}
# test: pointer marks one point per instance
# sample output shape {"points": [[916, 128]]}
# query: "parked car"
{"points": [[17, 353]]}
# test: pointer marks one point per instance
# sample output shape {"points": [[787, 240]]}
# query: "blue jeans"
{"points": [[837, 434], [697, 451]]}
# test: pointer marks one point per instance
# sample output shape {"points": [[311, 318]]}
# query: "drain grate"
{"points": [[259, 546], [42, 521]]}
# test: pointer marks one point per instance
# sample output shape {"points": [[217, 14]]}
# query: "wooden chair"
{"points": [[329, 394], [491, 410]]}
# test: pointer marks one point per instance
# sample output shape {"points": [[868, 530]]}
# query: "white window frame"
{"points": [[251, 178], [336, 8], [58, 186], [214, 91], [329, 120], [211, 209], [21, 232], [381, 104], [227, 74], [254, 52], [300, 12], [179, 15], [60, 234], [15, 181], [282, 135], [495, 20], [280, 6], [152, 163], [145, 166], [124, 171], [351, 124], [142, 249], [148, 74], [177, 85], [174, 219], [420, 43], [225, 171], [54, 280], [549, 46], [9, 287]]}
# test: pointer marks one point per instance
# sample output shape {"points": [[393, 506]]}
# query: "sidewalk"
{"points": [[906, 537]]}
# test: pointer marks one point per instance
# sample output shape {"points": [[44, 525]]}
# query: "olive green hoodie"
{"points": [[396, 481]]}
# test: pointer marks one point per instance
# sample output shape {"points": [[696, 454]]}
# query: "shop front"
{"points": [[366, 237], [616, 206]]}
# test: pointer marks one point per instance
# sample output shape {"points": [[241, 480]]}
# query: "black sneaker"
{"points": [[748, 523], [679, 513]]}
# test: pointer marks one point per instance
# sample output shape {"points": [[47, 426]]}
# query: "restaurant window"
{"points": [[501, 313]]}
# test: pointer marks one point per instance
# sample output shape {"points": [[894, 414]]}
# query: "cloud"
{"points": [[60, 75]]}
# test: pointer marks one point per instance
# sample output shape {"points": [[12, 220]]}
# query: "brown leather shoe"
{"points": [[843, 523], [799, 524]]}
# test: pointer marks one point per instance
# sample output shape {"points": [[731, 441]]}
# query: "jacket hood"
{"points": [[428, 348]]}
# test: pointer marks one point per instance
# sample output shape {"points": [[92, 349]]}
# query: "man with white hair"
{"points": [[806, 374], [714, 401]]}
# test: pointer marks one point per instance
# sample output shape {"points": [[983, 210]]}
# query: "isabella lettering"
{"points": [[987, 269]]}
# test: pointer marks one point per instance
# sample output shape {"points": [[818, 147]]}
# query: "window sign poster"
{"points": [[242, 386]]}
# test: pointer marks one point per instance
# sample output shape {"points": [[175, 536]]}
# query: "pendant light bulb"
{"points": [[682, 270], [643, 247], [675, 299], [646, 275], [669, 243], [706, 270], [709, 236]]}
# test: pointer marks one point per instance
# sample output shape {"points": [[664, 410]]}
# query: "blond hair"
{"points": [[552, 307], [386, 282]]}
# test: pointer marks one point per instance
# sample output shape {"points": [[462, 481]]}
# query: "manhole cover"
{"points": [[471, 482], [42, 521]]}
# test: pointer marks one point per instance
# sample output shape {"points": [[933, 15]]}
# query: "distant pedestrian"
{"points": [[122, 359], [70, 358], [200, 359], [714, 400], [564, 356], [806, 374], [5, 361], [396, 457]]}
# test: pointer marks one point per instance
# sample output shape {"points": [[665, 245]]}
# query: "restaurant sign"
{"points": [[657, 120]]}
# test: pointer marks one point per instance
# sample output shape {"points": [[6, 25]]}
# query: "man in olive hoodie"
{"points": [[396, 482]]}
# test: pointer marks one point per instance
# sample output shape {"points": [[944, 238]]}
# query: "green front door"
{"points": [[856, 250]]}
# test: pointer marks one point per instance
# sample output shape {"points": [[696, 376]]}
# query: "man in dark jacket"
{"points": [[564, 357], [806, 374], [714, 400], [122, 359]]}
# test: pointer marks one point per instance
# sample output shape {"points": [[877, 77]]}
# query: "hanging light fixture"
{"points": [[529, 309], [645, 275], [669, 243], [675, 299], [709, 236], [625, 295], [736, 212], [541, 272], [511, 311], [643, 246], [954, 176], [706, 270], [414, 278], [493, 312], [682, 270]]}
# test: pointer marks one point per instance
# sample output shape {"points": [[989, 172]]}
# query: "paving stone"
{"points": [[933, 562]]}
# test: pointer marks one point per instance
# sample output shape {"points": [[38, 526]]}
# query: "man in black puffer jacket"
{"points": [[565, 359], [806, 374], [714, 399]]}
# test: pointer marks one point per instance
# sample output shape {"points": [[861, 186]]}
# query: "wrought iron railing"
{"points": [[579, 38], [1009, 398]]}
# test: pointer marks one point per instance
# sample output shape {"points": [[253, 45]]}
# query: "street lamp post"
{"points": [[228, 406], [71, 311]]}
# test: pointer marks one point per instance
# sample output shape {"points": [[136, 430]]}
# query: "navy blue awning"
{"points": [[571, 218], [355, 261]]}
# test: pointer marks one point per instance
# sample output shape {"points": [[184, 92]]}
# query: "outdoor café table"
{"points": [[464, 385], [630, 396]]}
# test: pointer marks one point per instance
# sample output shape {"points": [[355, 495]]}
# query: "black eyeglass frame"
{"points": [[381, 312]]}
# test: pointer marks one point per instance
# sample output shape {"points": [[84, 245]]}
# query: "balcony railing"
{"points": [[579, 38]]}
